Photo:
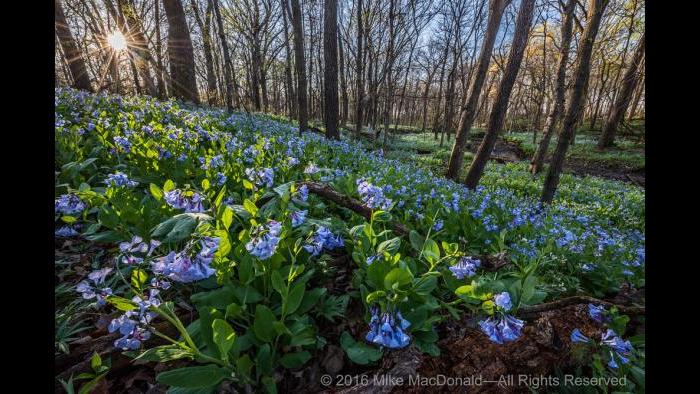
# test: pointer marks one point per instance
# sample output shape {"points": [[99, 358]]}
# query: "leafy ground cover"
{"points": [[235, 253]]}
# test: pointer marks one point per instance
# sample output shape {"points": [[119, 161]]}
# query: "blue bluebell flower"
{"points": [[220, 178], [69, 204], [322, 239], [119, 179], [190, 201], [66, 232], [123, 144], [505, 329], [264, 239], [578, 337], [598, 313], [389, 330], [466, 266], [94, 287], [262, 177], [298, 217], [182, 268], [438, 225], [311, 169], [503, 300], [302, 193], [372, 196]]}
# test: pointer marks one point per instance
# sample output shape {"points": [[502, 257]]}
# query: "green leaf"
{"points": [[488, 307], [296, 294], [417, 240], [164, 353], [233, 311], [398, 277], [178, 227], [206, 184], [295, 360], [227, 217], [217, 298], [248, 185], [262, 326], [269, 384], [68, 219], [358, 352], [168, 186], [244, 365], [431, 251], [375, 295], [138, 278], [156, 191], [381, 216], [95, 361], [120, 303], [264, 359], [250, 207], [425, 285], [193, 377], [390, 246], [278, 283], [224, 336]]}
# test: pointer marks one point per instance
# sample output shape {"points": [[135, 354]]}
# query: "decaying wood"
{"points": [[575, 300]]}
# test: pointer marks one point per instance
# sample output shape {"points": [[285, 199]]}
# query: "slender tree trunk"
{"points": [[471, 100], [425, 99], [560, 89], [300, 65], [343, 83], [290, 95], [138, 45], [204, 27], [330, 71], [522, 28], [622, 101], [581, 75], [359, 69], [389, 75], [162, 92], [436, 115], [638, 96], [228, 66], [180, 52], [76, 64]]}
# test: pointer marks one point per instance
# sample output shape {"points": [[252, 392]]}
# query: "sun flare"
{"points": [[116, 40]]}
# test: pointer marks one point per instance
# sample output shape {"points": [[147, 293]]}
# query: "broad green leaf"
{"points": [[138, 278], [390, 246], [262, 326], [224, 336], [164, 353], [295, 360], [250, 207], [156, 191], [359, 352], [399, 277], [296, 294], [193, 377], [168, 186]]}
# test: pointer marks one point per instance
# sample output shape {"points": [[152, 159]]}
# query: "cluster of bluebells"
{"points": [[303, 193], [137, 246], [264, 239], [322, 239], [372, 196], [298, 218], [94, 286], [181, 267], [263, 177], [66, 232], [388, 329], [69, 204], [466, 266], [123, 144], [133, 324], [190, 201], [502, 327], [215, 162], [119, 179], [617, 348]]}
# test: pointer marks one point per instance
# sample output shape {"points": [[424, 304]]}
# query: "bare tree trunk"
{"points": [[436, 115], [180, 52], [560, 90], [300, 65], [330, 71], [389, 75], [343, 83], [76, 64], [290, 95], [228, 66], [622, 101], [583, 68], [162, 93], [638, 96], [204, 27], [138, 44], [358, 65], [469, 105], [522, 28], [425, 99]]}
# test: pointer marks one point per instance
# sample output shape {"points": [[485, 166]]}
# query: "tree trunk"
{"points": [[358, 65], [522, 28], [204, 27], [76, 64], [623, 98], [596, 8], [389, 75], [162, 93], [343, 83], [469, 105], [180, 53], [290, 95], [300, 65], [560, 89], [330, 71], [228, 67], [436, 115], [138, 45]]}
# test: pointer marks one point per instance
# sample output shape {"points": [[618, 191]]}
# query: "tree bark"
{"points": [[330, 71], [228, 66], [76, 64], [469, 106], [522, 28], [358, 65], [162, 91], [300, 65], [204, 27], [343, 83], [622, 101], [560, 90], [583, 68], [290, 95], [137, 43], [180, 52]]}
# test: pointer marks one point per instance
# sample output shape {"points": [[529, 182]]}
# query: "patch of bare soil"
{"points": [[587, 168], [503, 152]]}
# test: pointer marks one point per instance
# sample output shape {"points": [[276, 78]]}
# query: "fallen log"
{"points": [[527, 311]]}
